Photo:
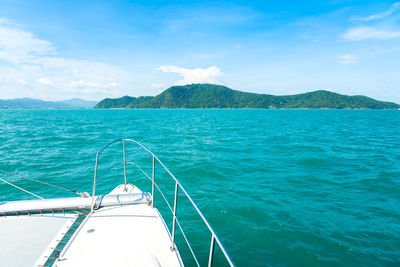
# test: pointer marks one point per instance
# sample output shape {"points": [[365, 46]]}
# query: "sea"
{"points": [[279, 187]]}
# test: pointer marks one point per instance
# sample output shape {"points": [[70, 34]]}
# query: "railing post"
{"points": [[152, 185], [210, 259], [123, 146], [94, 181], [174, 218]]}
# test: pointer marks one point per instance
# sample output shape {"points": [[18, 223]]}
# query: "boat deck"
{"points": [[133, 235], [117, 235], [128, 235]]}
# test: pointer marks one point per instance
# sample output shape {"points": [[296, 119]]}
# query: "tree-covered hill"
{"points": [[218, 96]]}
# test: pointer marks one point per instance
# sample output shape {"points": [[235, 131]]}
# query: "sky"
{"points": [[56, 50]]}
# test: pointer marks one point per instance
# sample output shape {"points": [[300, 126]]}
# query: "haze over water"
{"points": [[280, 187]]}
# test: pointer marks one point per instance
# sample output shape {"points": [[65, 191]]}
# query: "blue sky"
{"points": [[95, 49]]}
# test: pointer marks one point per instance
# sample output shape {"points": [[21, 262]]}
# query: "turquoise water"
{"points": [[280, 187]]}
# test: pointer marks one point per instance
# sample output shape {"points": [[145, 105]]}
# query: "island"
{"points": [[218, 96]]}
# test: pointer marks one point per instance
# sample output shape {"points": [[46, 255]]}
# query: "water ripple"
{"points": [[280, 187]]}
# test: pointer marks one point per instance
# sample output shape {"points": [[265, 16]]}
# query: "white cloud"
{"points": [[157, 85], [198, 75], [393, 8], [364, 33], [44, 81], [18, 46], [30, 66], [21, 82], [347, 59], [89, 87]]}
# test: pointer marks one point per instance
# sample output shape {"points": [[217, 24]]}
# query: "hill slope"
{"points": [[218, 96]]}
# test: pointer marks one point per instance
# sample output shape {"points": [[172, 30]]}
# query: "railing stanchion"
{"points": [[174, 218], [94, 181], [123, 146], [152, 185], [210, 259]]}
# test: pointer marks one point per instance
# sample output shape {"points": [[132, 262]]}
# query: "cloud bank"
{"points": [[364, 33], [30, 66], [198, 75], [374, 30], [392, 9], [348, 59]]}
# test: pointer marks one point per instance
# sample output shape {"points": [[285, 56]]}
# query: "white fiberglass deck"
{"points": [[129, 235], [132, 235]]}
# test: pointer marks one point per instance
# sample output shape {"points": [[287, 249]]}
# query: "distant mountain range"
{"points": [[209, 96], [79, 103], [218, 96], [29, 103]]}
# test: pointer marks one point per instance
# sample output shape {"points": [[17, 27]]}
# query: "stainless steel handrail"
{"points": [[214, 237]]}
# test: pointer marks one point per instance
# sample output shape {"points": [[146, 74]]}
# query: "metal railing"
{"points": [[178, 185]]}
